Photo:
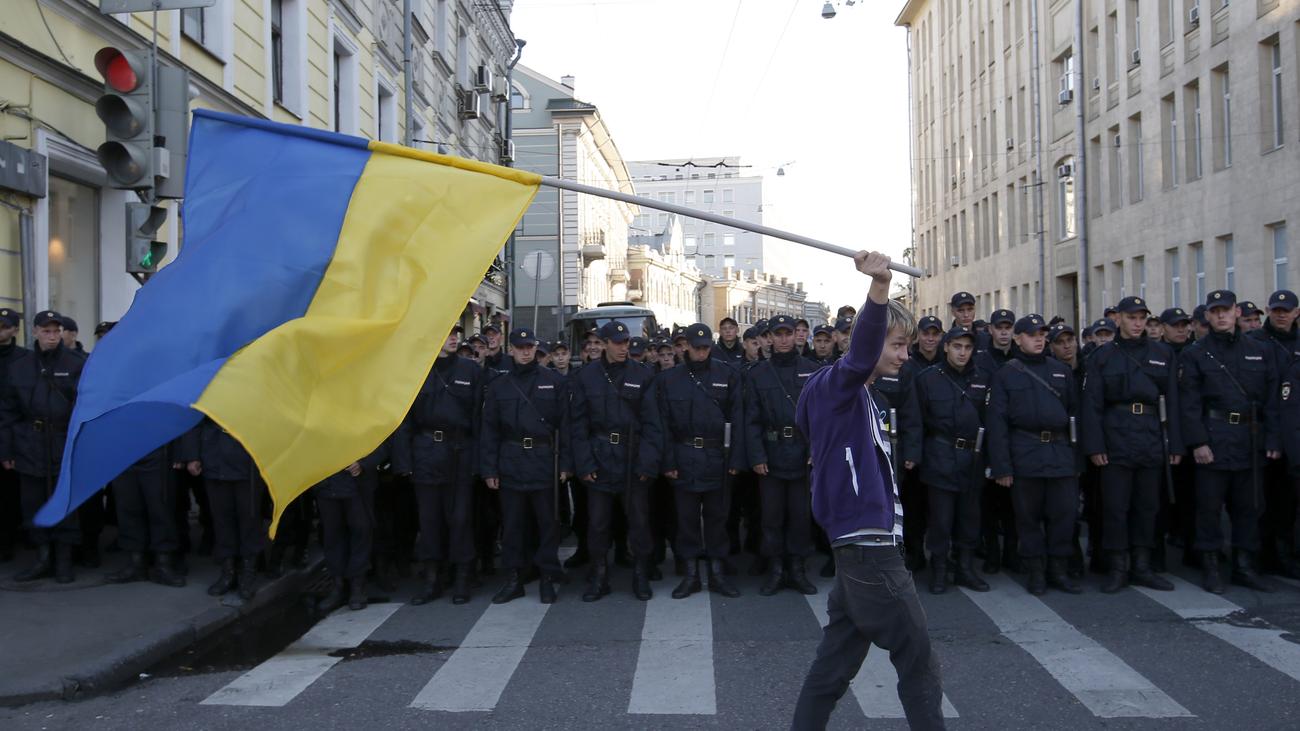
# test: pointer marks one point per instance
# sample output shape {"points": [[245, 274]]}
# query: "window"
{"points": [[385, 112], [1065, 199], [690, 245], [728, 213], [462, 58], [205, 26], [709, 239], [1140, 276], [277, 51], [518, 100], [1229, 262], [344, 85], [1169, 146], [440, 27], [1280, 259], [194, 24], [728, 195], [1271, 97], [728, 240], [729, 260], [1221, 117], [706, 196], [1173, 264], [1198, 270], [1115, 174], [669, 197], [1192, 106], [709, 261], [74, 246], [1136, 168]]}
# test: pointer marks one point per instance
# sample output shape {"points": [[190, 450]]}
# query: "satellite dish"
{"points": [[538, 264]]}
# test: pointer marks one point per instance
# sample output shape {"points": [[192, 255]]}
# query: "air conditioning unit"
{"points": [[483, 78], [1137, 57], [501, 89], [1117, 141], [1096, 83], [1065, 171], [471, 104], [507, 151], [1194, 15], [1065, 97], [954, 261], [1011, 143]]}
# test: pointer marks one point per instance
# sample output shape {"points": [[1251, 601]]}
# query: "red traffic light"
{"points": [[117, 70]]}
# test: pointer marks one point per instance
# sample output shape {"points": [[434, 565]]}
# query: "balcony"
{"points": [[593, 246]]}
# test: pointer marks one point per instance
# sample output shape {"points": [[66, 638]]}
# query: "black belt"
{"points": [[785, 432], [871, 540], [1046, 436], [615, 437], [958, 443], [1137, 408], [530, 442], [1232, 417], [443, 435], [40, 425], [701, 443]]}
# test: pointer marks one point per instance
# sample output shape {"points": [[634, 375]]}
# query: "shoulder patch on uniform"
{"points": [[61, 373], [802, 375], [632, 385], [889, 378], [462, 383], [720, 385], [978, 385], [545, 387], [1157, 362], [1058, 375], [1254, 357]]}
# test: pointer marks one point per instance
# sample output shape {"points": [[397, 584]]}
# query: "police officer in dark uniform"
{"points": [[997, 514], [1180, 518], [1029, 433], [524, 451], [11, 510], [1289, 419], [143, 496], [435, 447], [693, 437], [998, 350], [778, 455], [942, 421], [1122, 435], [494, 357], [346, 501], [1277, 551], [1229, 397], [823, 345], [604, 414], [34, 412], [729, 348], [638, 349]]}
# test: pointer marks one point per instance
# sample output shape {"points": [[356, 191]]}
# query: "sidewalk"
{"points": [[60, 641]]}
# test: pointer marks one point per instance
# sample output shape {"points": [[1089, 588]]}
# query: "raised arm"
{"points": [[868, 340]]}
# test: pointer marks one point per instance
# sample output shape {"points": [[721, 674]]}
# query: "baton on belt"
{"points": [[1164, 436]]}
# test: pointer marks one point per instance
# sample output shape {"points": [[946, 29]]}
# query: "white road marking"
{"points": [[674, 668]]}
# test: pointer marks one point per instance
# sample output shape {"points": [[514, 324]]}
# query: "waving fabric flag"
{"points": [[319, 276]]}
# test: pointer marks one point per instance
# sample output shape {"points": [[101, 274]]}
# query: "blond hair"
{"points": [[901, 319]]}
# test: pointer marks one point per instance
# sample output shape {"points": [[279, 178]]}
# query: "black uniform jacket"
{"points": [[435, 443], [684, 423], [35, 407], [1226, 378], [772, 389], [223, 457], [524, 429], [1028, 422], [607, 400], [1120, 415], [342, 485], [940, 424]]}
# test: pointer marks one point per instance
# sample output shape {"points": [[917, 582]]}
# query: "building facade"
{"points": [[329, 64], [748, 297], [1186, 177], [661, 278], [570, 249]]}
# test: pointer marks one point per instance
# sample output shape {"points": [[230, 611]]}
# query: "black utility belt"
{"points": [[444, 435], [1137, 408], [614, 437], [1232, 417], [785, 432], [958, 443], [530, 442], [42, 425], [1046, 436], [700, 443]]}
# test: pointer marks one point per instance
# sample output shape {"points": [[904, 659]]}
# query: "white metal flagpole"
{"points": [[715, 218]]}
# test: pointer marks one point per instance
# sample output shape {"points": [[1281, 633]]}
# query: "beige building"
{"points": [[662, 278], [330, 64], [1191, 143], [751, 296]]}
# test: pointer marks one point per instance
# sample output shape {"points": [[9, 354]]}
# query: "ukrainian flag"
{"points": [[319, 277]]}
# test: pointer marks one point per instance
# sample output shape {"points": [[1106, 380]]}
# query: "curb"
{"points": [[104, 674]]}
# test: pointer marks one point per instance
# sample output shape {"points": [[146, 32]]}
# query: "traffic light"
{"points": [[143, 252], [171, 131], [126, 108]]}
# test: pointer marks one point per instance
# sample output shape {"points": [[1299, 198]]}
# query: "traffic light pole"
{"points": [[146, 194]]}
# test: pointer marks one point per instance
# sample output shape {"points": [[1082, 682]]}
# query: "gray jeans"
{"points": [[873, 602]]}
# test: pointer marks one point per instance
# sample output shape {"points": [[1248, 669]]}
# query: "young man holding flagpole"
{"points": [[855, 499]]}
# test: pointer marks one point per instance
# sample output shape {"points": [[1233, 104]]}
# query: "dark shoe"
{"points": [[798, 577], [597, 582], [1117, 578], [1076, 566], [137, 570], [43, 567], [761, 565], [938, 575], [1037, 584], [828, 568], [247, 578], [966, 575], [1243, 572], [513, 589], [641, 580], [690, 581], [165, 572], [1212, 582], [357, 594], [63, 564], [1143, 574], [460, 588], [775, 579], [432, 587], [546, 589], [718, 581], [226, 581], [579, 558], [333, 599], [1057, 578], [653, 573]]}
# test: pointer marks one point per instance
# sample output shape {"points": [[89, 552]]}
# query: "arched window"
{"points": [[518, 97]]}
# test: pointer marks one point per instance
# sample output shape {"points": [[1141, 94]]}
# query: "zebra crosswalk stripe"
{"points": [[674, 667]]}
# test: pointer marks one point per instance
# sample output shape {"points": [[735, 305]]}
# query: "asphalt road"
{"points": [[1180, 660]]}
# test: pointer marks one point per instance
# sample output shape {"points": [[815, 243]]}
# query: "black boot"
{"points": [[1058, 578], [1037, 584], [938, 574], [1243, 572], [247, 578], [966, 575], [718, 581], [597, 581], [460, 587], [165, 572], [775, 579], [275, 560], [1117, 578], [1011, 556], [513, 589], [621, 557], [43, 567], [357, 594], [90, 555], [798, 577], [992, 555], [546, 588], [432, 588], [1212, 582], [63, 564], [641, 579], [226, 581], [690, 581], [137, 570], [1143, 573], [652, 571], [333, 599], [579, 558]]}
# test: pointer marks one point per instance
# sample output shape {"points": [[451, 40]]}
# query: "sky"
{"points": [[770, 81]]}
